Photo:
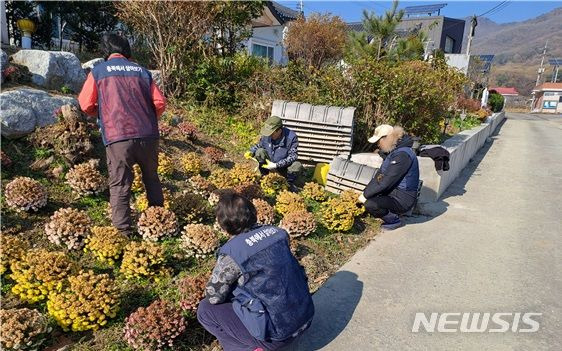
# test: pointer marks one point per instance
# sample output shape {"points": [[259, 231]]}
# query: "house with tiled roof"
{"points": [[510, 95], [547, 98], [504, 91], [269, 30]]}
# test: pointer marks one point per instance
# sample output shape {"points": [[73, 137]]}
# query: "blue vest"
{"points": [[411, 179], [279, 150], [125, 106], [274, 303]]}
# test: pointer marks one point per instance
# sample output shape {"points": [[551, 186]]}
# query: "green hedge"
{"points": [[413, 94], [496, 102]]}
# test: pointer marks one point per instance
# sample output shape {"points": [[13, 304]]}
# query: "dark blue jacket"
{"points": [[283, 152], [126, 110], [411, 178], [274, 303], [398, 176]]}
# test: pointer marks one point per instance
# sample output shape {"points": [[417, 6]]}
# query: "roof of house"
{"points": [[504, 90], [282, 13], [355, 26], [549, 86]]}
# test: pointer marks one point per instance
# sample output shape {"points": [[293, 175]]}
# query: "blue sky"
{"points": [[514, 11]]}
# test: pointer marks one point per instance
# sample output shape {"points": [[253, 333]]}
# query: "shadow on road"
{"points": [[335, 304], [458, 187]]}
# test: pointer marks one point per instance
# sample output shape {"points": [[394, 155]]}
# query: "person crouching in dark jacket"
{"points": [[393, 189], [257, 297], [277, 150]]}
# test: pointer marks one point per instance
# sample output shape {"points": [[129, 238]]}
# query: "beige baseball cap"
{"points": [[381, 131]]}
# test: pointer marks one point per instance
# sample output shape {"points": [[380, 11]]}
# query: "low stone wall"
{"points": [[462, 147]]}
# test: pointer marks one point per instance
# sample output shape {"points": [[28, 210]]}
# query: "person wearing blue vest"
{"points": [[257, 297], [277, 150], [127, 102], [393, 189]]}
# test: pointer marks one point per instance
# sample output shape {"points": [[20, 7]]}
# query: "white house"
{"points": [[267, 39], [268, 32]]}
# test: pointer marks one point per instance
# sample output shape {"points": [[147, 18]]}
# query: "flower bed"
{"points": [[88, 276]]}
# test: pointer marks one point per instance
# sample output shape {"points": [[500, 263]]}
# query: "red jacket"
{"points": [[125, 98]]}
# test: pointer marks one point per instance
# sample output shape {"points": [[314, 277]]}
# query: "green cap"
{"points": [[271, 125]]}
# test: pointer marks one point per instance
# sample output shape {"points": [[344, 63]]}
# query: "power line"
{"points": [[493, 8], [499, 9]]}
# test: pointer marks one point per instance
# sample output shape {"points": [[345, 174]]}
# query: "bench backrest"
{"points": [[324, 131]]}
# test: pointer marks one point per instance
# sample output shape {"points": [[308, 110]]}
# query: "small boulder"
{"points": [[23, 110], [52, 69], [157, 77], [3, 64], [88, 66], [3, 60]]}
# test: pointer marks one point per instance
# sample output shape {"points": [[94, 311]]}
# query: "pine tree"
{"points": [[378, 33]]}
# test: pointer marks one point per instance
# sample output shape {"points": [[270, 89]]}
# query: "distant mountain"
{"points": [[518, 47]]}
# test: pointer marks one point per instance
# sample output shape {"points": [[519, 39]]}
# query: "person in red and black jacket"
{"points": [[128, 104]]}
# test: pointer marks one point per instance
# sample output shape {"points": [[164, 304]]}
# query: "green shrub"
{"points": [[496, 102], [413, 94], [217, 81]]}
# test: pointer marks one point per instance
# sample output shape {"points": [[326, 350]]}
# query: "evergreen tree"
{"points": [[378, 33]]}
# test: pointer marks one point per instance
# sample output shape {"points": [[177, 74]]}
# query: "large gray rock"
{"points": [[157, 77], [88, 66], [52, 69], [23, 110], [3, 64]]}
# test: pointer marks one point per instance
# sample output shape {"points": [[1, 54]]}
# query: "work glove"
{"points": [[269, 165], [248, 155], [362, 199]]}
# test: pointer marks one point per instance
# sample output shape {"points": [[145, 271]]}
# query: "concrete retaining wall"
{"points": [[462, 147]]}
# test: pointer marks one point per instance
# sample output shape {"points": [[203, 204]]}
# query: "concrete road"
{"points": [[495, 248]]}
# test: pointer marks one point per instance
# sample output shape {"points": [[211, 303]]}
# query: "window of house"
{"points": [[449, 44], [263, 51], [549, 94], [549, 104]]}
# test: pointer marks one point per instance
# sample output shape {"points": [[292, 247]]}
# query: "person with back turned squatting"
{"points": [[394, 188], [128, 104], [257, 298], [277, 151]]}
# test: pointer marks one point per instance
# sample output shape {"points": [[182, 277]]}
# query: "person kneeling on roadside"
{"points": [[394, 188], [277, 150], [257, 297]]}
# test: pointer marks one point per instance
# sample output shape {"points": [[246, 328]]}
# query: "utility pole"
{"points": [[539, 74], [473, 24], [301, 6], [426, 52], [541, 69]]}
